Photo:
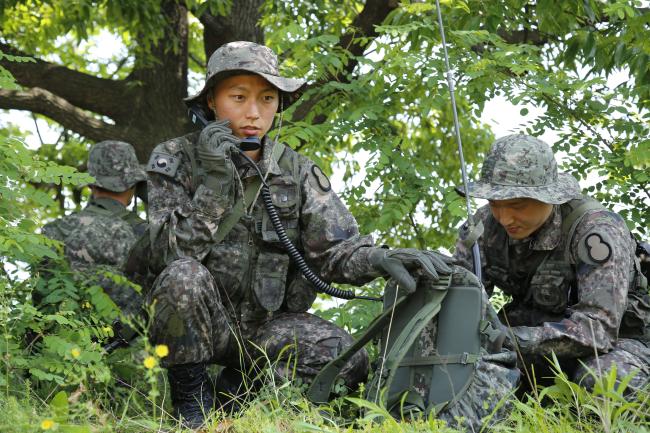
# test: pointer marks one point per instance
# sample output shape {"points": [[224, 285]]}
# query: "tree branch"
{"points": [[82, 90], [239, 25], [374, 13], [41, 101]]}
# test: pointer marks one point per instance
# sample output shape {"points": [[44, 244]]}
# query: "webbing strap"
{"points": [[250, 193], [406, 338], [570, 223], [196, 176], [457, 358], [319, 390]]}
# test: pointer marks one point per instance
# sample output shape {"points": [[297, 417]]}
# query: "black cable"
{"points": [[198, 117], [291, 249]]}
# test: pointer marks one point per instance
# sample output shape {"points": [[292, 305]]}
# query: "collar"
{"points": [[548, 236], [110, 204], [265, 163]]}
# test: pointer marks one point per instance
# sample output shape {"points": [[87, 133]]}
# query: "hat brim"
{"points": [[118, 183], [291, 88], [566, 188]]}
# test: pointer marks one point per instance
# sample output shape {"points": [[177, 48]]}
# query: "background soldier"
{"points": [[99, 237], [567, 262], [223, 288]]}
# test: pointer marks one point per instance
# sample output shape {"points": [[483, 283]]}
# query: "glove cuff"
{"points": [[376, 256]]}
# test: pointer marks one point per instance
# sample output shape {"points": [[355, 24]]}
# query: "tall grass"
{"points": [[277, 405]]}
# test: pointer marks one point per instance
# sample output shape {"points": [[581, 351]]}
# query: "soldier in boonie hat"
{"points": [[567, 263], [114, 166], [521, 166], [240, 57], [214, 240]]}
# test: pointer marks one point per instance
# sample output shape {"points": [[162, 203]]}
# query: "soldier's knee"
{"points": [[184, 278]]}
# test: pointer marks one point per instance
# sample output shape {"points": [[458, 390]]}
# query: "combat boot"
{"points": [[192, 394]]}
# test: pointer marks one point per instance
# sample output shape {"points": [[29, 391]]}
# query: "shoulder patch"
{"points": [[595, 248], [320, 179], [163, 163]]}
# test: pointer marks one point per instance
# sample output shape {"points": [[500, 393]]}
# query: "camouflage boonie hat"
{"points": [[114, 166], [240, 56], [521, 166]]}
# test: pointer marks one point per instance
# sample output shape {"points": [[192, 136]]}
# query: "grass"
{"points": [[564, 407]]}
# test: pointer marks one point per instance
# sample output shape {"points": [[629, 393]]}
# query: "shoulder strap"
{"points": [[188, 150], [229, 221], [319, 390], [572, 220], [405, 340]]}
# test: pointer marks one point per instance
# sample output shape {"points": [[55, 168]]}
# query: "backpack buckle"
{"points": [[464, 358]]}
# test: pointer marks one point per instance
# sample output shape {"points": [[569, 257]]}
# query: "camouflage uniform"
{"points": [[213, 297], [99, 237], [227, 288], [577, 297]]}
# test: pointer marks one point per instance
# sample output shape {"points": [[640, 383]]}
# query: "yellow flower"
{"points": [[47, 424], [75, 352], [162, 350], [149, 362]]}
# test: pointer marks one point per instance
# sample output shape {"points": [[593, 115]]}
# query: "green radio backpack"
{"points": [[442, 356]]}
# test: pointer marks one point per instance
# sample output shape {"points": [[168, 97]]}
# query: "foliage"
{"points": [[385, 122]]}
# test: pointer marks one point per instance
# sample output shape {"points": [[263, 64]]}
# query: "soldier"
{"points": [[567, 262], [229, 284], [100, 236]]}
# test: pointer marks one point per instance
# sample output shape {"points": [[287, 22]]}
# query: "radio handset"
{"points": [[199, 118]]}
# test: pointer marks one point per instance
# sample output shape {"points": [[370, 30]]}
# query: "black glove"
{"points": [[215, 145], [401, 263]]}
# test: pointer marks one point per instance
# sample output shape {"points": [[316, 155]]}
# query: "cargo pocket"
{"points": [[300, 295], [228, 262], [284, 194], [270, 280], [550, 290]]}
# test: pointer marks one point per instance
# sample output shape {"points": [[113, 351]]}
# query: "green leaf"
{"points": [[60, 407]]}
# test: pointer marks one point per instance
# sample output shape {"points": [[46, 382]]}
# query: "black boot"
{"points": [[192, 394], [228, 389]]}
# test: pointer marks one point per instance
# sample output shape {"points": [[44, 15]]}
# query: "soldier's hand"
{"points": [[216, 142], [402, 263], [214, 148]]}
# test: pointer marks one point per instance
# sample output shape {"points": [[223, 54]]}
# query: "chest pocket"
{"points": [[509, 285], [550, 286], [284, 193]]}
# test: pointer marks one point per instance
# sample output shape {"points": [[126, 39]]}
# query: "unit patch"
{"points": [[163, 163], [321, 179], [594, 249]]}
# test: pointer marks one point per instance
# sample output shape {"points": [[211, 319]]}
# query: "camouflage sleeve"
{"points": [[603, 250], [181, 224], [463, 253], [329, 233]]}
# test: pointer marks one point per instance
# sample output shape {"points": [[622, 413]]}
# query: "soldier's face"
{"points": [[520, 217], [248, 101]]}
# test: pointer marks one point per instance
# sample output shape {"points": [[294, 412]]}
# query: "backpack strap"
{"points": [[572, 220], [250, 192], [400, 348], [319, 390]]}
